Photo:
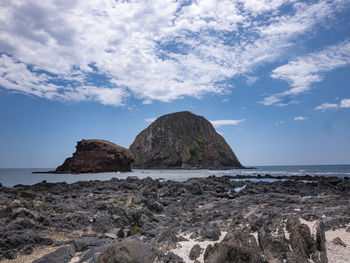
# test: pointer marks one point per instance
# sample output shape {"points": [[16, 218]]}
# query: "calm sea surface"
{"points": [[11, 177]]}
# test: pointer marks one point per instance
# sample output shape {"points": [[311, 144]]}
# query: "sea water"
{"points": [[11, 177]]}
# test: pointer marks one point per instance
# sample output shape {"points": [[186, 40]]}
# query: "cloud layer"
{"points": [[303, 71], [218, 123], [163, 50]]}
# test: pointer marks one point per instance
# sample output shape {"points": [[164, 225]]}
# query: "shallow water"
{"points": [[11, 177]]}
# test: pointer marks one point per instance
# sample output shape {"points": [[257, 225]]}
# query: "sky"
{"points": [[272, 76]]}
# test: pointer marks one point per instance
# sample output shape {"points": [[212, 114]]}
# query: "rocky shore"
{"points": [[213, 219]]}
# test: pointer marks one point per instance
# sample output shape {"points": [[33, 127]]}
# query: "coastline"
{"points": [[164, 214]]}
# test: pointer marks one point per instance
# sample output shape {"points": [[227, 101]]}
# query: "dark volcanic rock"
{"points": [[195, 252], [128, 251], [62, 255], [96, 156], [237, 247], [182, 140]]}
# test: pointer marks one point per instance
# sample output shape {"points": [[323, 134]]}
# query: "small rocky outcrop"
{"points": [[97, 156], [237, 247], [182, 140]]}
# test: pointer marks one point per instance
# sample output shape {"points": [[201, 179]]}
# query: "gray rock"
{"points": [[128, 251], [302, 242], [61, 255], [275, 247], [237, 247], [195, 252], [211, 232], [338, 241], [155, 207], [292, 222], [320, 237], [87, 242], [172, 258]]}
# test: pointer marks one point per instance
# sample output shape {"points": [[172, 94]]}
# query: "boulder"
{"points": [[302, 242], [195, 252], [61, 255], [127, 251], [274, 246], [97, 156], [237, 247], [210, 233], [182, 140]]}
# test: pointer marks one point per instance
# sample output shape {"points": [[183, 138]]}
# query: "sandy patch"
{"points": [[184, 247], [335, 253]]}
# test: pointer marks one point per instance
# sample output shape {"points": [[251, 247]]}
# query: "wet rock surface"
{"points": [[93, 221]]}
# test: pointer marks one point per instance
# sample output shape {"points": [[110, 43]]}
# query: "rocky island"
{"points": [[96, 156], [182, 140]]}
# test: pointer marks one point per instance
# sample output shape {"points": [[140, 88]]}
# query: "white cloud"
{"points": [[300, 118], [251, 80], [327, 106], [150, 119], [278, 123], [303, 71], [218, 123], [152, 50], [345, 103]]}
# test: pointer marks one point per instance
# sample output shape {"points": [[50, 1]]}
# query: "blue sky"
{"points": [[272, 76]]}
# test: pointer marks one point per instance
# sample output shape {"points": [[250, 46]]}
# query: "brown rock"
{"points": [[97, 156]]}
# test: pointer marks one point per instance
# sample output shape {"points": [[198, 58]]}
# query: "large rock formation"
{"points": [[182, 140], [97, 156]]}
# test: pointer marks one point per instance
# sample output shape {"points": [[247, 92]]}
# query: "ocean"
{"points": [[11, 177]]}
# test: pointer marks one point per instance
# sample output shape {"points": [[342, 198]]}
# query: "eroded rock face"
{"points": [[96, 156], [182, 140]]}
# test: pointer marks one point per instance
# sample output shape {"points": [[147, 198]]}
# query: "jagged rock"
{"points": [[302, 242], [62, 255], [320, 237], [172, 258], [237, 247], [128, 251], [275, 246], [84, 243], [96, 156], [338, 241], [292, 221], [182, 140], [195, 252], [211, 233]]}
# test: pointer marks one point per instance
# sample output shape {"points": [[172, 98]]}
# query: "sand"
{"points": [[183, 248], [37, 253], [335, 253]]}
